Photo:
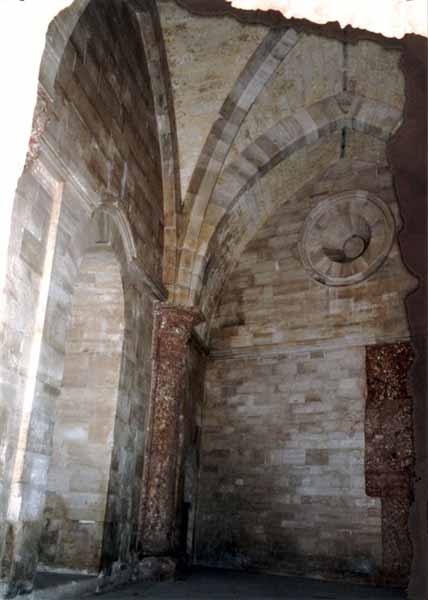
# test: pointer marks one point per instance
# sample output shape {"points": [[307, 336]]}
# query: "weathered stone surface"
{"points": [[156, 568], [40, 120], [216, 52], [85, 419], [283, 443], [304, 100], [99, 135], [282, 473], [306, 77], [296, 116]]}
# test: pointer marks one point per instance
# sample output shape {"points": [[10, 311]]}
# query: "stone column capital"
{"points": [[176, 316]]}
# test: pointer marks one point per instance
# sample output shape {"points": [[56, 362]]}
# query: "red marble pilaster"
{"points": [[172, 329], [389, 456]]}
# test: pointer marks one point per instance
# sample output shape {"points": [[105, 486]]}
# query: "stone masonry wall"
{"points": [[83, 437], [282, 455], [100, 145], [282, 484], [104, 107]]}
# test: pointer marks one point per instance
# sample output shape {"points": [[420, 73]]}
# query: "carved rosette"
{"points": [[346, 238]]}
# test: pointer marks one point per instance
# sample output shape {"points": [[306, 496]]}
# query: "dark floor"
{"points": [[47, 580], [215, 584]]}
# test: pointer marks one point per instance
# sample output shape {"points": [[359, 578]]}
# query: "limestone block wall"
{"points": [[83, 437], [100, 145], [104, 107], [282, 482], [30, 255]]}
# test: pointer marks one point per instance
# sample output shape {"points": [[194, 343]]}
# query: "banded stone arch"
{"points": [[305, 126], [257, 72], [235, 231], [108, 232], [109, 226]]}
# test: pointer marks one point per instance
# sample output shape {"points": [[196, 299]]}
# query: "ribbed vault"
{"points": [[295, 93], [279, 143]]}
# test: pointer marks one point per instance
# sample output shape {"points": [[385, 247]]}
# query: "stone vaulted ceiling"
{"points": [[260, 113]]}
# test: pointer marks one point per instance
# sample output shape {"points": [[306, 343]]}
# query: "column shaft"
{"points": [[172, 329]]}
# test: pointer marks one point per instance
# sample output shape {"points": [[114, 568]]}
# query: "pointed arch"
{"points": [[109, 226], [146, 14], [305, 126], [151, 32]]}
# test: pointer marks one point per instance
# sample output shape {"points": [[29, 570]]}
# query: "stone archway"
{"points": [[146, 15], [306, 126]]}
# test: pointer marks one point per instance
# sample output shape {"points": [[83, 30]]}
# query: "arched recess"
{"points": [[304, 127], [146, 14], [59, 190], [85, 522], [307, 170], [236, 230], [263, 301], [83, 438]]}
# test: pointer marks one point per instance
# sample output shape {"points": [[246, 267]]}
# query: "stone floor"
{"points": [[46, 580], [213, 584], [62, 586]]}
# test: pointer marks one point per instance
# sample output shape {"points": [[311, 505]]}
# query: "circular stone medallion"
{"points": [[346, 238]]}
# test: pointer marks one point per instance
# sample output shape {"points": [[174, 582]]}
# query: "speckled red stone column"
{"points": [[172, 329], [389, 457]]}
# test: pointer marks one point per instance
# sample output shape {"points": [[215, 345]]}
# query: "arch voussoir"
{"points": [[304, 127], [257, 72], [376, 118]]}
